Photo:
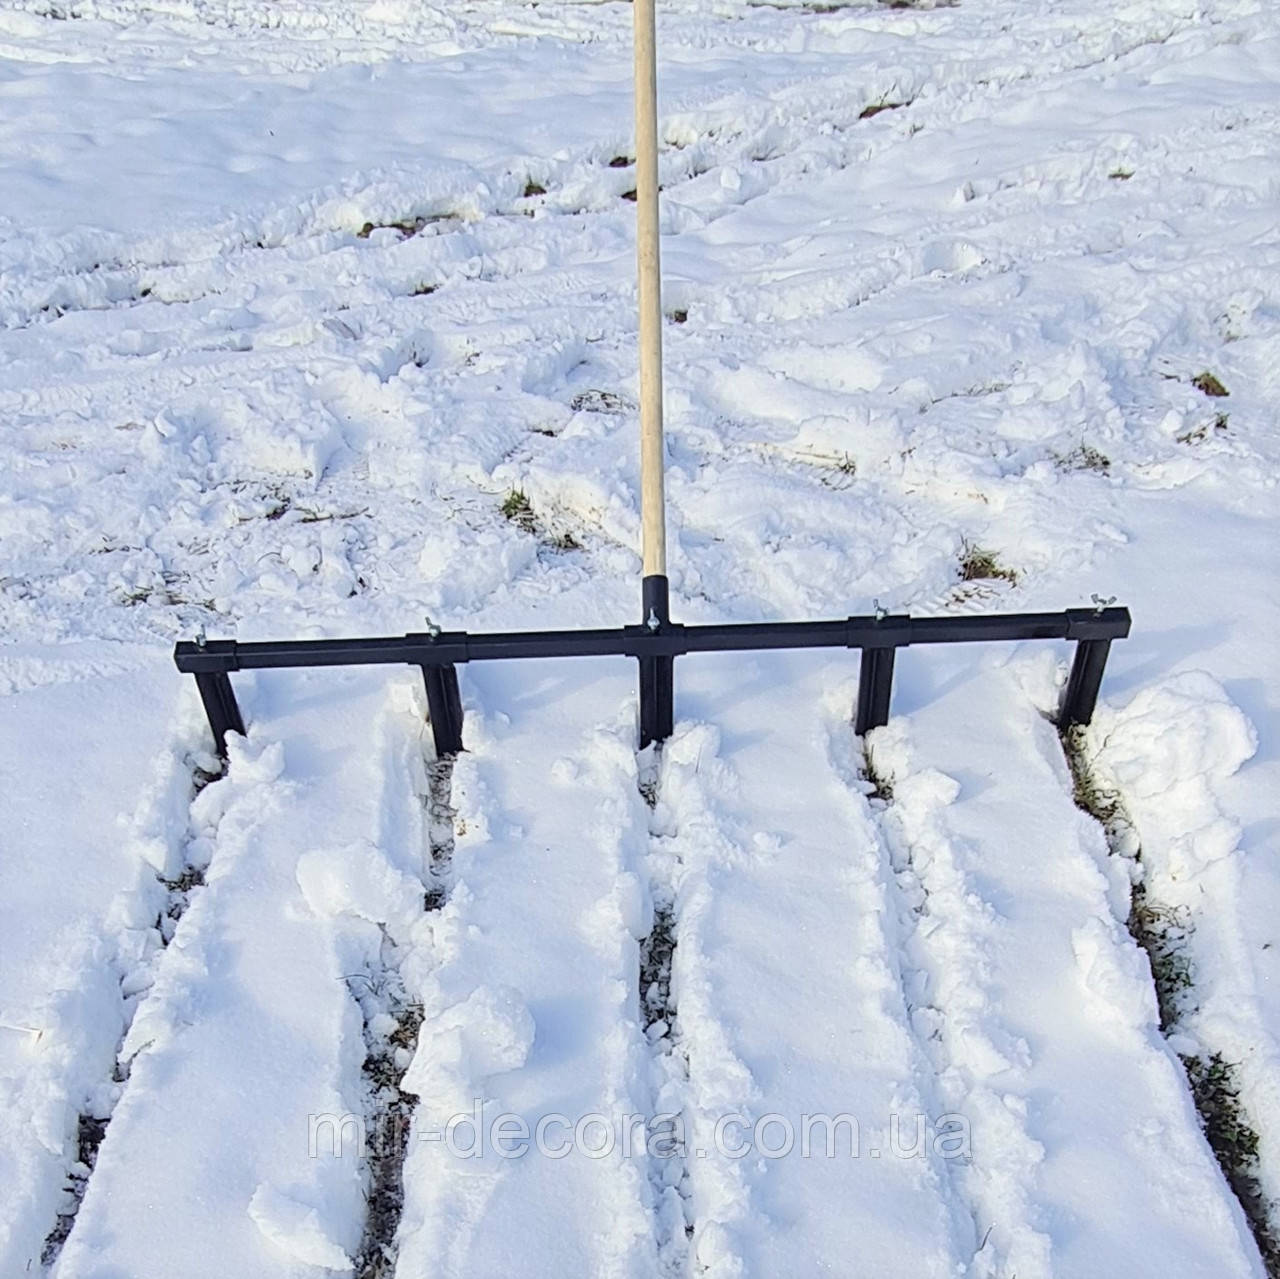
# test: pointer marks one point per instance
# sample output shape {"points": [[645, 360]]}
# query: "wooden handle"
{"points": [[649, 276]]}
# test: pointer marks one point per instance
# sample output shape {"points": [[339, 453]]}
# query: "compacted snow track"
{"points": [[249, 1028], [1038, 1003], [530, 992], [779, 921], [84, 841]]}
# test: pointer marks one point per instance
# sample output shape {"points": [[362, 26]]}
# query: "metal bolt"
{"points": [[880, 611], [652, 622], [200, 638], [432, 629], [1100, 603]]}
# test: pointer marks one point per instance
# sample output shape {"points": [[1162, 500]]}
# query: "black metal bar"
{"points": [[886, 631], [655, 644], [444, 709], [1072, 624], [231, 655], [875, 687], [1080, 698], [669, 640], [220, 706], [657, 669]]}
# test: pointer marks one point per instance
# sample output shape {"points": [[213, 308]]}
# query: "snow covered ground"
{"points": [[317, 319]]}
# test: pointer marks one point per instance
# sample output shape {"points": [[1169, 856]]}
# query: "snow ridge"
{"points": [[1151, 771]]}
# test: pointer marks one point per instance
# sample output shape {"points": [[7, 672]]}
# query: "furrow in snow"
{"points": [[1042, 1004], [416, 821], [667, 1138], [946, 929]]}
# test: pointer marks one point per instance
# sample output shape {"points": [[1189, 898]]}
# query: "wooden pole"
{"points": [[649, 276]]}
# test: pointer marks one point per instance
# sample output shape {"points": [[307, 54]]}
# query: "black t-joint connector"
{"points": [[657, 686]]}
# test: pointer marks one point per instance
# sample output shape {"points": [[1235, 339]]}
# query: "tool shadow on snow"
{"points": [[542, 685], [1149, 656], [706, 684], [922, 677]]}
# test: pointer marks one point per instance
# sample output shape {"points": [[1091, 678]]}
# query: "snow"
{"points": [[293, 297], [1014, 911], [74, 877], [1192, 738], [765, 839], [296, 1229], [538, 1022], [248, 1013]]}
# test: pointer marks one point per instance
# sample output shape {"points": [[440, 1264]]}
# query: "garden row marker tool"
{"points": [[657, 641]]}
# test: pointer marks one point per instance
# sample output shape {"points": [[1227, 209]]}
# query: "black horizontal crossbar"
{"points": [[670, 640], [655, 645]]}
